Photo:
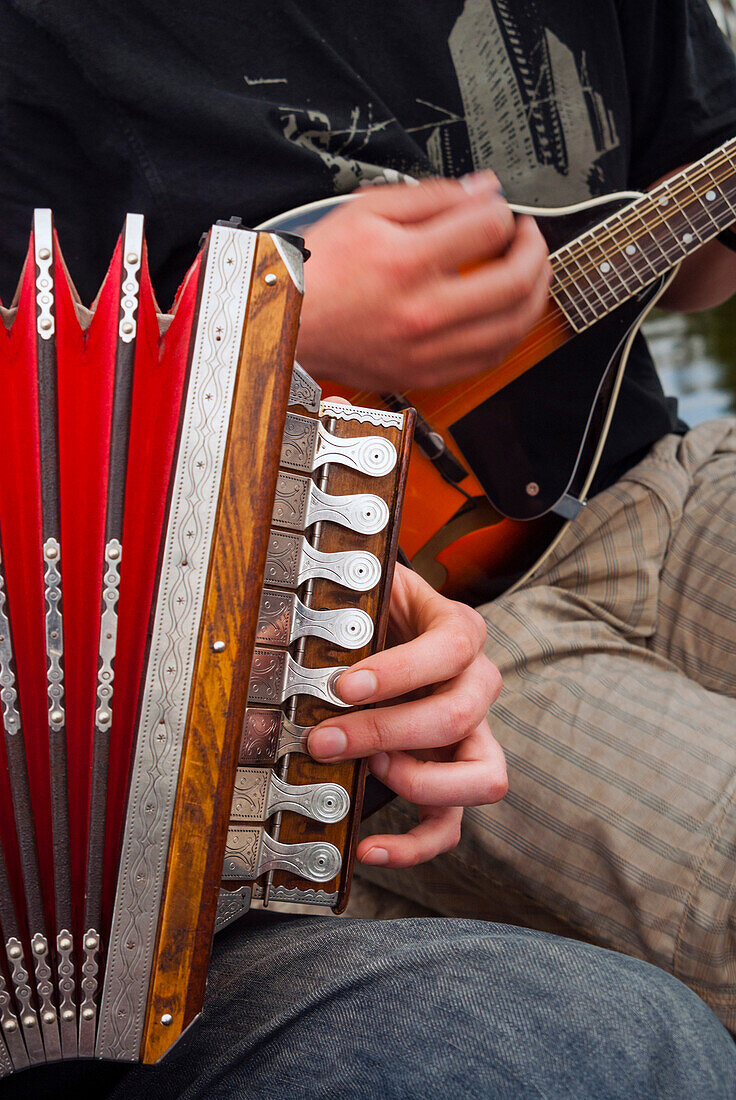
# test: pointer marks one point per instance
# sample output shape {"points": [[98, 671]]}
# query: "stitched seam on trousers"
{"points": [[689, 908]]}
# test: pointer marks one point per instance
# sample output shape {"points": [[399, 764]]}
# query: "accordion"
{"points": [[193, 546]]}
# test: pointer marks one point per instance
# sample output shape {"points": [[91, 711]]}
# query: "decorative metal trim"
{"points": [[294, 896], [304, 390], [13, 1053], [283, 617], [54, 633], [291, 560], [132, 257], [169, 673], [91, 944], [381, 418], [43, 248], [45, 991], [368, 454], [108, 634], [8, 692], [250, 852], [67, 992], [293, 260], [24, 998], [232, 904], [299, 504], [259, 793]]}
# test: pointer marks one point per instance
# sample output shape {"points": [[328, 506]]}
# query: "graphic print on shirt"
{"points": [[529, 111]]}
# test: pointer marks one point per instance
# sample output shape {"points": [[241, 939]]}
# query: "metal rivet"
{"points": [[46, 324], [15, 952], [49, 1017], [91, 943], [270, 279], [88, 1014], [532, 489], [52, 553], [113, 553], [39, 947], [10, 1025], [132, 258], [57, 716], [127, 327], [29, 1021], [44, 254], [67, 1014], [167, 1019], [64, 943], [218, 646]]}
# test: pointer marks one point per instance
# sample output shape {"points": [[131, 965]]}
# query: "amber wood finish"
{"points": [[317, 652], [218, 700]]}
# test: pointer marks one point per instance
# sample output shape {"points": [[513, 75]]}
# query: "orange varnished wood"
{"points": [[317, 652], [230, 613]]}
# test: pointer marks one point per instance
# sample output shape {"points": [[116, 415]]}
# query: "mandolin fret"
{"points": [[626, 252]]}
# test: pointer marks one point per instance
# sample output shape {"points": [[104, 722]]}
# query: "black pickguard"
{"points": [[499, 439]]}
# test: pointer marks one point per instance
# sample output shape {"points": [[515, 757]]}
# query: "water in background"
{"points": [[696, 359]]}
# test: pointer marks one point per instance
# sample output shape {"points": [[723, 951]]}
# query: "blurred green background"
{"points": [[696, 355]]}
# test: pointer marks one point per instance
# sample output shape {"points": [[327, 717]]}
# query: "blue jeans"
{"points": [[314, 1007]]}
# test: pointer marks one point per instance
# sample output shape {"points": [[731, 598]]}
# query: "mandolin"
{"points": [[492, 517]]}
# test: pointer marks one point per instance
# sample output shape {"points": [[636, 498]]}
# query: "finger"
{"points": [[442, 718], [437, 832], [478, 781], [497, 286], [408, 204], [480, 228], [475, 345], [452, 638]]}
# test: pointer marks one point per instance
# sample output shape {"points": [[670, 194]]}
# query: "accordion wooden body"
{"points": [[192, 548]]}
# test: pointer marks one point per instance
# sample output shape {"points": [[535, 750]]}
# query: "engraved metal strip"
{"points": [[381, 418], [294, 896], [232, 904], [250, 852], [259, 793], [169, 672], [292, 560], [16, 1048], [304, 390], [299, 442], [299, 504], [283, 618], [43, 248], [132, 246], [45, 992], [91, 945], [275, 676], [67, 991], [8, 692], [54, 634], [24, 998], [108, 634]]}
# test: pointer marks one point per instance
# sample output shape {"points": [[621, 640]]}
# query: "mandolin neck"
{"points": [[604, 267]]}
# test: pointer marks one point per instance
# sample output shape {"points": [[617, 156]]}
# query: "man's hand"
{"points": [[386, 307], [435, 749]]}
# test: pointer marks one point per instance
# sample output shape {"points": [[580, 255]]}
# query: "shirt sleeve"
{"points": [[681, 76]]}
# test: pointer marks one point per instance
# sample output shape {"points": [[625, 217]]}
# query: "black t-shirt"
{"points": [[189, 112]]}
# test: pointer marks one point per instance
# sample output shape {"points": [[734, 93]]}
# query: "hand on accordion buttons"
{"points": [[432, 743], [386, 306]]}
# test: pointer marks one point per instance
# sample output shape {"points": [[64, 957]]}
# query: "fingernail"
{"points": [[379, 764], [375, 855], [326, 742], [476, 182], [357, 687]]}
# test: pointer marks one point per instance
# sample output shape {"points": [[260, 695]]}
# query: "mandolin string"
{"points": [[689, 181], [552, 326]]}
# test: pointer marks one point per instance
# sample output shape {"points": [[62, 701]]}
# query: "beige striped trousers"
{"points": [[618, 719]]}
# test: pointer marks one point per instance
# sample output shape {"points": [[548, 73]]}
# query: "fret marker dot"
{"points": [[710, 195], [687, 238], [605, 267], [630, 249], [663, 200]]}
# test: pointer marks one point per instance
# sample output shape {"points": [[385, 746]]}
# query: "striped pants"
{"points": [[618, 719]]}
